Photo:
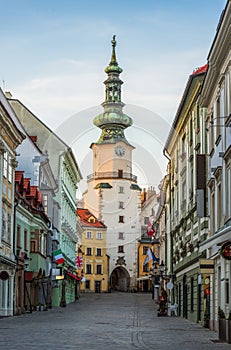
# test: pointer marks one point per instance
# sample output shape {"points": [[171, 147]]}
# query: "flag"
{"points": [[148, 256], [150, 229], [59, 259], [79, 261]]}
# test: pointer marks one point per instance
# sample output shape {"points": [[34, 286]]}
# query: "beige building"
{"points": [[94, 269]]}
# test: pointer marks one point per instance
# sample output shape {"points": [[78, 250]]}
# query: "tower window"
{"points": [[120, 249], [121, 205], [121, 235], [121, 189], [121, 218], [120, 173], [146, 219]]}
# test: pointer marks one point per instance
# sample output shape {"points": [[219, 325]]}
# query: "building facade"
{"points": [[186, 219], [10, 138], [66, 175], [216, 97], [93, 253], [113, 195]]}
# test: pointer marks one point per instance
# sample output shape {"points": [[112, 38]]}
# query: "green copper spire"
{"points": [[112, 121]]}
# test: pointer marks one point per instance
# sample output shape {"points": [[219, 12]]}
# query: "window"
{"points": [[88, 284], [192, 293], [218, 119], [45, 203], [227, 292], [18, 236], [120, 249], [88, 234], [99, 235], [32, 246], [121, 218], [121, 189], [145, 268], [121, 235], [145, 250], [8, 228], [99, 252], [146, 219], [121, 205], [120, 173], [88, 269], [88, 251], [10, 169], [25, 239], [98, 269], [5, 164]]}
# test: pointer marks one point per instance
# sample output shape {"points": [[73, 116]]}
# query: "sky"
{"points": [[53, 55]]}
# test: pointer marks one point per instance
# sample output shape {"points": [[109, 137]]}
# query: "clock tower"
{"points": [[113, 194]]}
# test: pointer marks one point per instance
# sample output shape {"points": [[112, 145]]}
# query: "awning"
{"points": [[73, 276]]}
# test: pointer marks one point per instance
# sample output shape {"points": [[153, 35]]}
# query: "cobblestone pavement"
{"points": [[116, 321]]}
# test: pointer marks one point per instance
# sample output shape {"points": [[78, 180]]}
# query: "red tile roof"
{"points": [[18, 175], [85, 215]]}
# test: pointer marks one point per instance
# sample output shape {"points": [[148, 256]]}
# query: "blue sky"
{"points": [[53, 53]]}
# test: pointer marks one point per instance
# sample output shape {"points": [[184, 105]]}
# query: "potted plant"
{"points": [[222, 325]]}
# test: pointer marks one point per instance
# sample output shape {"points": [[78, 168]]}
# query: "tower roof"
{"points": [[113, 121]]}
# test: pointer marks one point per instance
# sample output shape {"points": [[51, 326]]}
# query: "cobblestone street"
{"points": [[103, 322]]}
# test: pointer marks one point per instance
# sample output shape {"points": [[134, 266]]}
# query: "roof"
{"points": [[88, 219]]}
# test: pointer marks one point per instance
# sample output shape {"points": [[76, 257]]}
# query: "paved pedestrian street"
{"points": [[105, 322]]}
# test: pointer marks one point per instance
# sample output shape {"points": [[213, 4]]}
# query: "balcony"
{"points": [[111, 175]]}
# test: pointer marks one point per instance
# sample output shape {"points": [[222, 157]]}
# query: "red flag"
{"points": [[150, 230]]}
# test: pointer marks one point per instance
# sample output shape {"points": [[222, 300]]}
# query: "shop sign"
{"points": [[206, 266], [226, 250]]}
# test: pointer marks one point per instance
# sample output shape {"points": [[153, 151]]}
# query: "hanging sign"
{"points": [[226, 250]]}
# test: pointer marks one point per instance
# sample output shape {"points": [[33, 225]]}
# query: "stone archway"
{"points": [[120, 279]]}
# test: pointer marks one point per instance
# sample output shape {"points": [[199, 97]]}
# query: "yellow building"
{"points": [[94, 268], [145, 271]]}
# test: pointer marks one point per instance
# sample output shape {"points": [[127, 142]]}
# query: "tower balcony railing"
{"points": [[111, 175]]}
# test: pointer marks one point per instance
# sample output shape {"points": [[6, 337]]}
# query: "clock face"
{"points": [[120, 151]]}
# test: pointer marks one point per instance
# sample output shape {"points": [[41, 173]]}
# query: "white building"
{"points": [[113, 195], [216, 96]]}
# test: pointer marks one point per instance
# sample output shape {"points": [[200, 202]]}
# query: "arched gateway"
{"points": [[120, 279]]}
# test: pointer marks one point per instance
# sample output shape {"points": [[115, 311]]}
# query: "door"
{"points": [[97, 286]]}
